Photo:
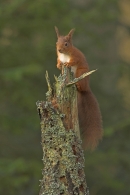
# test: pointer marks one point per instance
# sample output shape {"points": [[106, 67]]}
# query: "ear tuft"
{"points": [[57, 31], [70, 34]]}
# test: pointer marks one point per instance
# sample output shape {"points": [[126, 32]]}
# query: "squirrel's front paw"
{"points": [[67, 64], [59, 66]]}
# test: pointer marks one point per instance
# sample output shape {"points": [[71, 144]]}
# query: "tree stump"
{"points": [[63, 157]]}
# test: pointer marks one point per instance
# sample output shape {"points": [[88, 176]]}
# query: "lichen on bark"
{"points": [[63, 157]]}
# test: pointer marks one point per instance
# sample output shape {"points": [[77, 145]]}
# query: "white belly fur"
{"points": [[64, 58]]}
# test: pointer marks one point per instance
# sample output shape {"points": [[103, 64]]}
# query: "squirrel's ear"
{"points": [[70, 34], [57, 31]]}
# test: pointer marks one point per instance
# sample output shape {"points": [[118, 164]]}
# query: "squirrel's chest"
{"points": [[63, 57], [66, 58]]}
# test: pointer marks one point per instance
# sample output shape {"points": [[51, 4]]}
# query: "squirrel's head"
{"points": [[64, 43]]}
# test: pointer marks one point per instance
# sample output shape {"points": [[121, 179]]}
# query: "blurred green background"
{"points": [[27, 50]]}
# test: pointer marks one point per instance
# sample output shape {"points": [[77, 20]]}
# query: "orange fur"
{"points": [[88, 110]]}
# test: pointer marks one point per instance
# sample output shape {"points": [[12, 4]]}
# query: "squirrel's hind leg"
{"points": [[82, 85]]}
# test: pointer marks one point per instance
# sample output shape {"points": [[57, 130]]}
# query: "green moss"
{"points": [[63, 159]]}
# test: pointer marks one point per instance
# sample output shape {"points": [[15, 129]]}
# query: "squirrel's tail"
{"points": [[90, 120]]}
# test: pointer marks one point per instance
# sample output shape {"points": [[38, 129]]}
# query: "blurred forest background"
{"points": [[27, 50]]}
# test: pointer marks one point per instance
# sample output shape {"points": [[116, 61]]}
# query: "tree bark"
{"points": [[63, 157]]}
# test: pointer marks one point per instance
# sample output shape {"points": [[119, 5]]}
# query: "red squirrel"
{"points": [[90, 120]]}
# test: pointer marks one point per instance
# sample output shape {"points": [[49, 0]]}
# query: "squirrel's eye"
{"points": [[66, 44]]}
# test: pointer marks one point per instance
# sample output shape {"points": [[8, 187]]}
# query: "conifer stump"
{"points": [[63, 157]]}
